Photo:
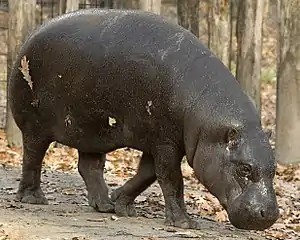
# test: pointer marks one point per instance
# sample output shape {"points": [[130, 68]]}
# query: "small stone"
{"points": [[114, 218]]}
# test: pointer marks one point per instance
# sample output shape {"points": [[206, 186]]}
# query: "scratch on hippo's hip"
{"points": [[112, 121], [173, 47], [25, 71], [68, 120], [26, 76], [148, 107]]}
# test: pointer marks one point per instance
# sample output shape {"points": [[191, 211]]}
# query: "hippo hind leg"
{"points": [[91, 167], [125, 195], [34, 149]]}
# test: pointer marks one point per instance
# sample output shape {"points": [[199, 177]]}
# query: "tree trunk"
{"points": [[183, 13], [288, 82], [249, 39], [72, 5], [219, 29], [108, 3], [188, 15], [126, 4], [194, 17], [21, 23], [150, 5], [62, 6], [231, 56]]}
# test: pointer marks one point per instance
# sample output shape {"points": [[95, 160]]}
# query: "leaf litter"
{"points": [[123, 163]]}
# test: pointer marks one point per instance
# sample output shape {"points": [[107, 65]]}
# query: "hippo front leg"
{"points": [[91, 168], [168, 171]]}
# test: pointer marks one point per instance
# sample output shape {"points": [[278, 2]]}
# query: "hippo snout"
{"points": [[245, 215]]}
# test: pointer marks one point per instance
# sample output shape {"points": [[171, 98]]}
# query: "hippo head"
{"points": [[236, 164]]}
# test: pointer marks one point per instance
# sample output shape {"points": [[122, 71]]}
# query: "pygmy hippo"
{"points": [[98, 80]]}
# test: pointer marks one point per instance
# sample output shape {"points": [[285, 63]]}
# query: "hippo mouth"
{"points": [[248, 216]]}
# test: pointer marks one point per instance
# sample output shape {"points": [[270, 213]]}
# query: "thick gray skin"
{"points": [[170, 97]]}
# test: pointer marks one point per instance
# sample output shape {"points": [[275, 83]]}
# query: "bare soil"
{"points": [[69, 217]]}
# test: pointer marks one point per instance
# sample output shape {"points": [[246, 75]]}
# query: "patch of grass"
{"points": [[233, 68], [268, 75], [3, 76]]}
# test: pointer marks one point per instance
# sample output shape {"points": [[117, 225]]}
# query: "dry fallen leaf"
{"points": [[3, 235], [69, 191], [221, 216]]}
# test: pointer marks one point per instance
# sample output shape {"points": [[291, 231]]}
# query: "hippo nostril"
{"points": [[262, 213], [255, 217]]}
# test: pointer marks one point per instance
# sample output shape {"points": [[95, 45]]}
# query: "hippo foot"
{"points": [[125, 209], [185, 223], [32, 197], [101, 205], [124, 206]]}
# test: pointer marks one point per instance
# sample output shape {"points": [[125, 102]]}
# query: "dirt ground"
{"points": [[69, 217]]}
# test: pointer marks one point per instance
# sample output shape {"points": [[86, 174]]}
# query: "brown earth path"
{"points": [[68, 217]]}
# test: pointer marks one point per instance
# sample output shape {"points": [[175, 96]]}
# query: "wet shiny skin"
{"points": [[245, 184], [251, 212], [91, 66]]}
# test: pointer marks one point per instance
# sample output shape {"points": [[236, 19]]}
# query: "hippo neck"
{"points": [[214, 98]]}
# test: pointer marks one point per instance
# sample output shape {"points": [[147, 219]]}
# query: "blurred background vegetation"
{"points": [[258, 40]]}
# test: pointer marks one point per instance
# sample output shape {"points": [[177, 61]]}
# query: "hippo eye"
{"points": [[244, 171]]}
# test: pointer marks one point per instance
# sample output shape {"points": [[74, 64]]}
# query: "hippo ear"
{"points": [[232, 136], [268, 132]]}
